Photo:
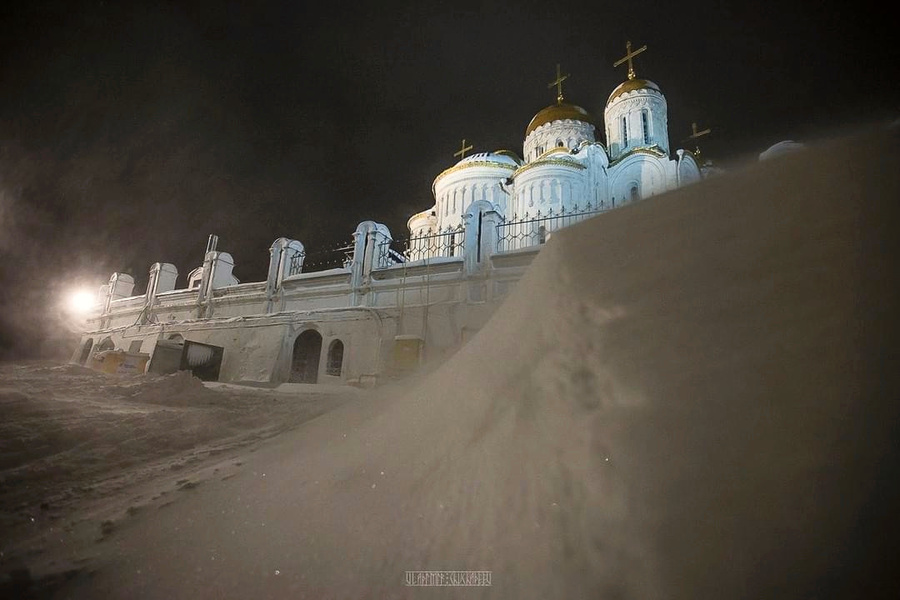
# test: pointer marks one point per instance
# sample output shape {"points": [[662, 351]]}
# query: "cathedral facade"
{"points": [[565, 168], [386, 305]]}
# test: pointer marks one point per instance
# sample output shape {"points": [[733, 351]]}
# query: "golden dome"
{"points": [[630, 86], [558, 112]]}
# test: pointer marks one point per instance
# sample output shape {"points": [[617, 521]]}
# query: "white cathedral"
{"points": [[386, 305], [566, 169]]}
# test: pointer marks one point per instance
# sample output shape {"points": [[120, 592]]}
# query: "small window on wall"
{"points": [[335, 358], [624, 132], [635, 194], [646, 125], [559, 144]]}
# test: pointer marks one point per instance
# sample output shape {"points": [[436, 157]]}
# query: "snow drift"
{"points": [[69, 435], [690, 397]]}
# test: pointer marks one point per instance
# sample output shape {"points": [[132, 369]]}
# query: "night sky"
{"points": [[131, 131]]}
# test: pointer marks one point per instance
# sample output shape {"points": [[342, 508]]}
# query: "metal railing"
{"points": [[532, 230], [295, 264], [447, 242], [330, 258]]}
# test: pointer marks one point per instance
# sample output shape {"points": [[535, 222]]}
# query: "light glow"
{"points": [[81, 301]]}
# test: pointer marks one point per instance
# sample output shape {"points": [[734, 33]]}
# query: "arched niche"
{"points": [[335, 361]]}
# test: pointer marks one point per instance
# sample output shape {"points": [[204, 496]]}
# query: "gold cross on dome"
{"points": [[628, 56], [695, 134], [463, 149], [558, 83]]}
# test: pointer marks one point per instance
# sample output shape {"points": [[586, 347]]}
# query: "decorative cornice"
{"points": [[653, 150], [554, 150], [558, 162]]}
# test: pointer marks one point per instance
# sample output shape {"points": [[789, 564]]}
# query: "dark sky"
{"points": [[131, 131]]}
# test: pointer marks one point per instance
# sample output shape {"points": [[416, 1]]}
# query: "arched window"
{"points": [[625, 132], [335, 358], [635, 194], [559, 144], [106, 344]]}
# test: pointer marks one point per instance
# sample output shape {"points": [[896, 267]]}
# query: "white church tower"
{"points": [[636, 115]]}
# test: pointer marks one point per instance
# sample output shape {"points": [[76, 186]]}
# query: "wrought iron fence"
{"points": [[390, 252], [532, 230], [295, 265], [337, 256], [446, 242]]}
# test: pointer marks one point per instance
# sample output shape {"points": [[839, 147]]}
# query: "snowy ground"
{"points": [[695, 396], [78, 446]]}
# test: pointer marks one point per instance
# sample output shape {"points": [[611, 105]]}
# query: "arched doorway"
{"points": [[86, 351], [305, 363]]}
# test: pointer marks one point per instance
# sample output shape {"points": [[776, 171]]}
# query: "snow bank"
{"points": [[690, 397]]}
